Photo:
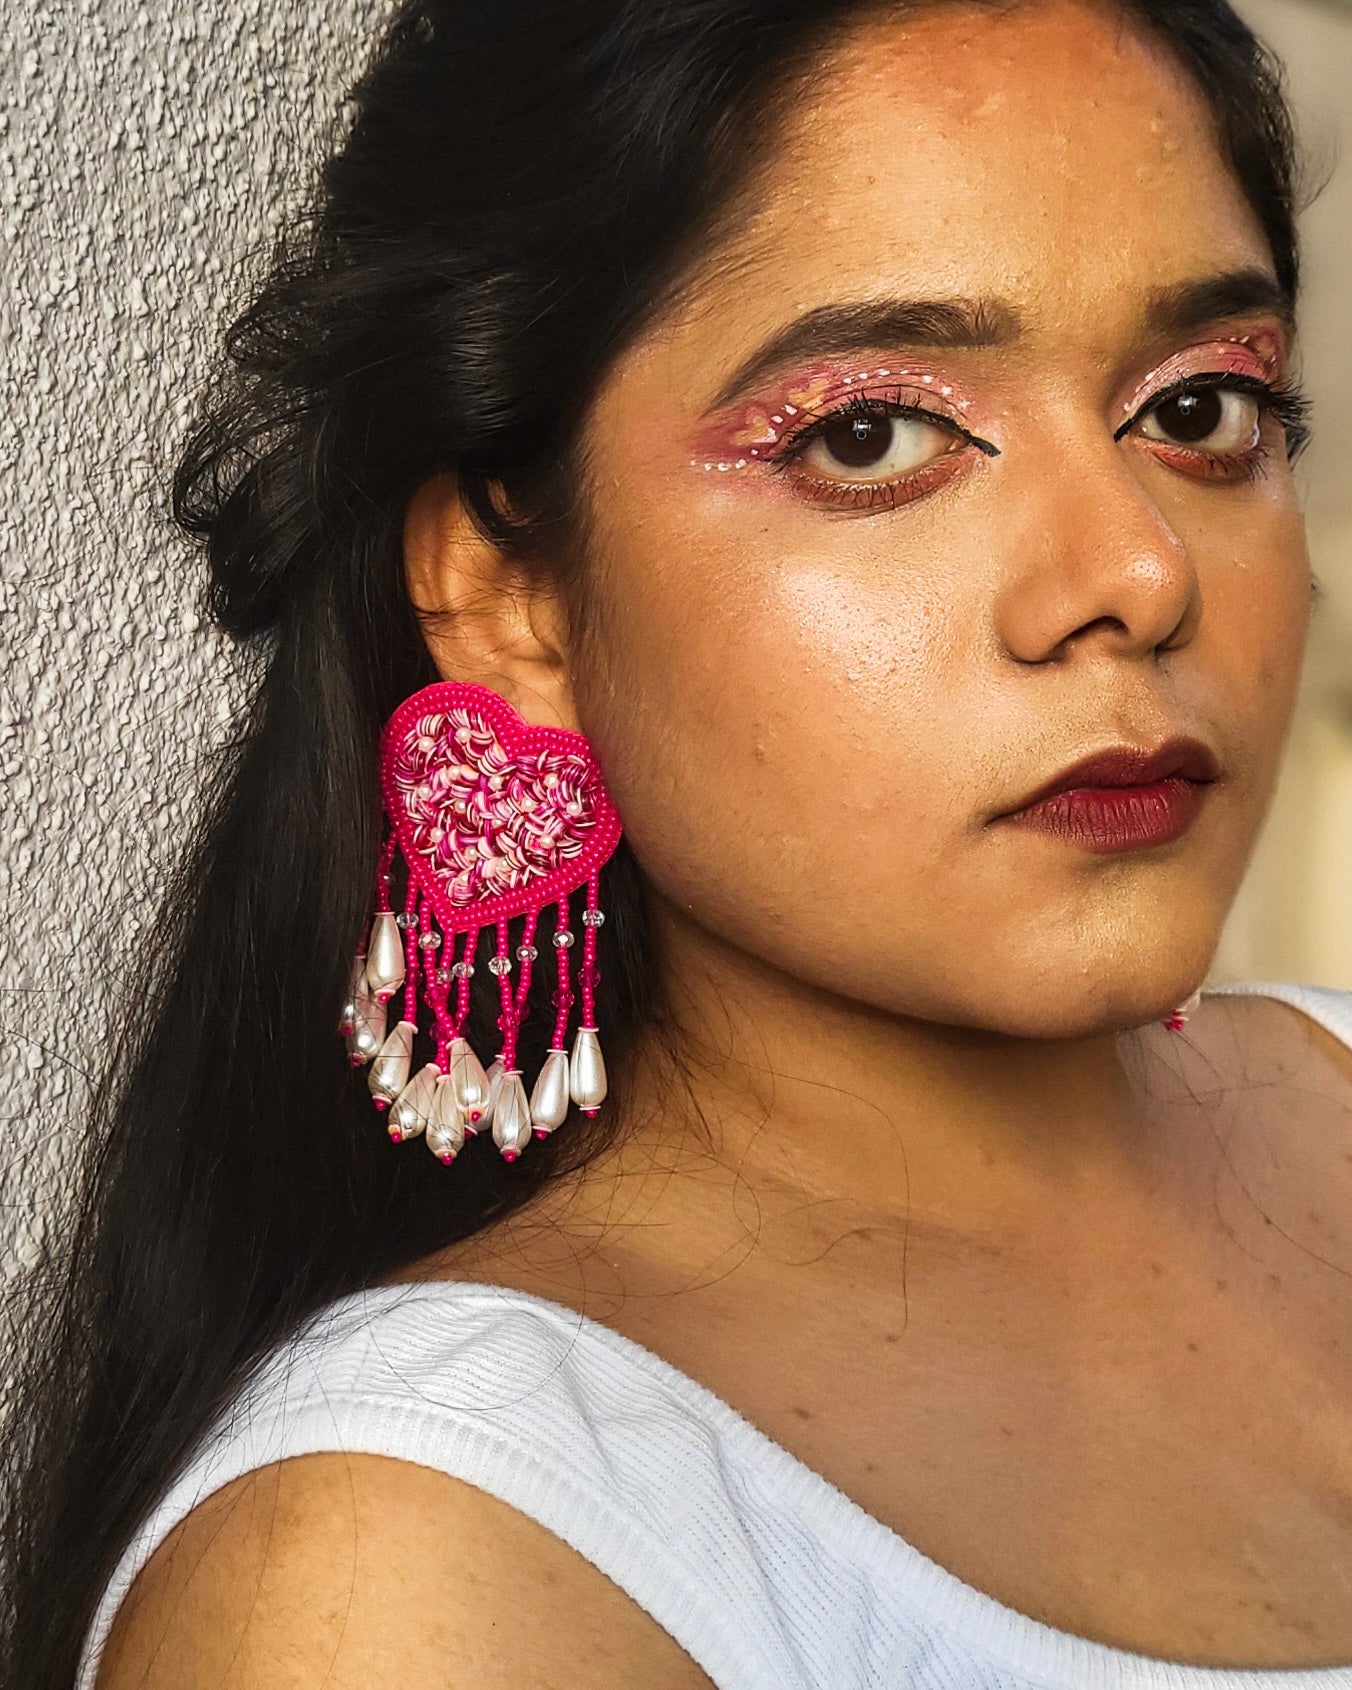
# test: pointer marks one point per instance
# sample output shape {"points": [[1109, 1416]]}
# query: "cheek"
{"points": [[1256, 594], [780, 732]]}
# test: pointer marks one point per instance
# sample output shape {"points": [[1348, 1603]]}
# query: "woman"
{"points": [[869, 427]]}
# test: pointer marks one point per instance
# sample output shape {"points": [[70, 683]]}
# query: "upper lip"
{"points": [[1128, 765]]}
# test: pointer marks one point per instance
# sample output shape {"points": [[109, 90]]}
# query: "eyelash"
{"points": [[871, 494], [1285, 402], [1282, 400]]}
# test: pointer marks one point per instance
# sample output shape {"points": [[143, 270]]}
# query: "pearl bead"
{"points": [[587, 1070], [385, 956], [389, 1071], [468, 1080], [511, 1117], [549, 1098]]}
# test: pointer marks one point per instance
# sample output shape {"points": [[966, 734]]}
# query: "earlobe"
{"points": [[486, 618]]}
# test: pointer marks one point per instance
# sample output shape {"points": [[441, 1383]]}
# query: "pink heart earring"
{"points": [[493, 818]]}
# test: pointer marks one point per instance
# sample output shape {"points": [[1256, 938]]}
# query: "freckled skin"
{"points": [[880, 686]]}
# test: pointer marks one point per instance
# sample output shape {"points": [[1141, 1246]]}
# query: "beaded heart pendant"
{"points": [[493, 818]]}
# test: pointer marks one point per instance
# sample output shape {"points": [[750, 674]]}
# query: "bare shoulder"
{"points": [[1288, 1037], [348, 1571], [1335, 1052]]}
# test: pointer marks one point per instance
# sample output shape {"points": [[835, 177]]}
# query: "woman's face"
{"points": [[828, 647]]}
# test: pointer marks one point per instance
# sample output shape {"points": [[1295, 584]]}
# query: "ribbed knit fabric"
{"points": [[765, 1573]]}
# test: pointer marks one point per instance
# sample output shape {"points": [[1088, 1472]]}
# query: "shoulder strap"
{"points": [[549, 1412]]}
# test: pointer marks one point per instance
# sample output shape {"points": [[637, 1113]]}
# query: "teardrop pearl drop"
{"points": [[494, 1078], [413, 1107], [587, 1070], [549, 1099], [446, 1130], [511, 1117], [384, 957], [469, 1079], [347, 1021], [389, 1071], [368, 1032]]}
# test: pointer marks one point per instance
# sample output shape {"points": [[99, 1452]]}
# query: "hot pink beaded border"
{"points": [[516, 736]]}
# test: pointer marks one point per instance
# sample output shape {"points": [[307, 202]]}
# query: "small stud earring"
{"points": [[1179, 1019]]}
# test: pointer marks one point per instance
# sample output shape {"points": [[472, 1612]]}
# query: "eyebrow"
{"points": [[1219, 299], [830, 330], [980, 324]]}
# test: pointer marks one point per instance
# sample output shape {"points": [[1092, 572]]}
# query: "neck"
{"points": [[958, 1124]]}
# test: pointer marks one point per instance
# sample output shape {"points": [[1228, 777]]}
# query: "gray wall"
{"points": [[144, 156]]}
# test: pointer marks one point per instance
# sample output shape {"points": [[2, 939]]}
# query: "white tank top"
{"points": [[764, 1572]]}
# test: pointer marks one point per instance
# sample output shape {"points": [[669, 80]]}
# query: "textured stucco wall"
{"points": [[143, 154]]}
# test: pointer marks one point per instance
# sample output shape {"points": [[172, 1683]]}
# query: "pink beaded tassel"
{"points": [[493, 818]]}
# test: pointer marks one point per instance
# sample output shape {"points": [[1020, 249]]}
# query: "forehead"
{"points": [[1051, 153]]}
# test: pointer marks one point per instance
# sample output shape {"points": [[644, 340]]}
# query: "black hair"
{"points": [[518, 187]]}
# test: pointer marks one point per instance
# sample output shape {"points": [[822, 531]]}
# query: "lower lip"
{"points": [[1117, 818]]}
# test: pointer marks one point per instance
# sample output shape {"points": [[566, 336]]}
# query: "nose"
{"points": [[1093, 564]]}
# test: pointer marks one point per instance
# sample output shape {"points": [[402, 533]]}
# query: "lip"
{"points": [[1126, 765], [1124, 798]]}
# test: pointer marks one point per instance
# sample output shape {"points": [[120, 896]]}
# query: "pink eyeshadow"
{"points": [[757, 428], [1260, 355]]}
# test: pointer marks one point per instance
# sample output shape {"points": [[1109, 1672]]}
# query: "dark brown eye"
{"points": [[1191, 416], [1220, 418], [855, 444], [858, 442]]}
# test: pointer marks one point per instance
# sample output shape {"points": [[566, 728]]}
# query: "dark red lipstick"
{"points": [[1123, 799]]}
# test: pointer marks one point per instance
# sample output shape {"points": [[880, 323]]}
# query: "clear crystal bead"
{"points": [[429, 941], [462, 970], [406, 921], [499, 965], [527, 953], [563, 938], [444, 976], [593, 918]]}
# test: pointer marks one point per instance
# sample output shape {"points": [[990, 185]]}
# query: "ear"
{"points": [[484, 619]]}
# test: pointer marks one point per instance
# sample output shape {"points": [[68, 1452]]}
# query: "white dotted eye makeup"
{"points": [[1258, 355], [759, 428]]}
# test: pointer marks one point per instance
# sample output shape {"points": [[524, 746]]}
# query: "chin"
{"points": [[1119, 1006], [1073, 974], [1075, 998]]}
